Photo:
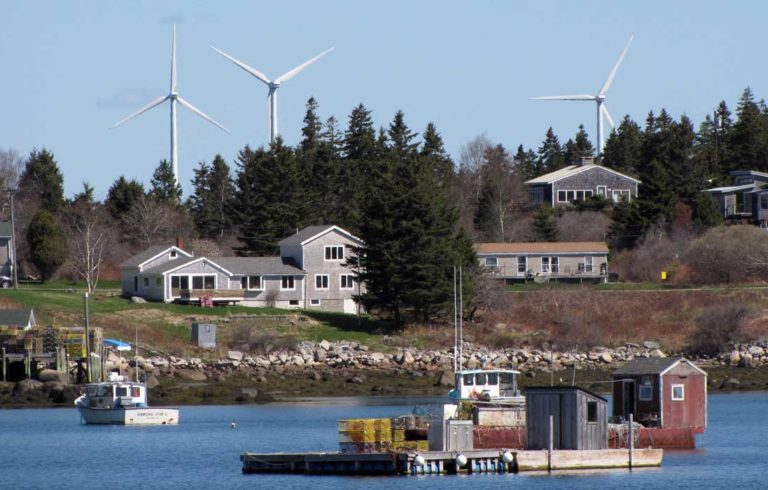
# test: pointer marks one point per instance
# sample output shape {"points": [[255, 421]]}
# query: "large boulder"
{"points": [[235, 355], [445, 378], [325, 345], [152, 382], [606, 357], [657, 353], [651, 344], [137, 299], [734, 358], [52, 375], [191, 374], [28, 385], [320, 355]]}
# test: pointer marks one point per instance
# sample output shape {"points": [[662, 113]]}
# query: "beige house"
{"points": [[310, 272], [545, 260]]}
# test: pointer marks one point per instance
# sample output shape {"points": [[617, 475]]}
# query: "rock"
{"points": [[356, 380], [191, 374], [734, 358], [27, 385], [362, 348], [445, 378], [657, 353], [297, 361], [320, 355], [606, 357], [316, 376], [408, 358], [52, 375], [756, 351], [651, 344], [746, 360], [730, 384], [235, 355], [325, 345], [137, 299], [376, 356], [152, 382]]}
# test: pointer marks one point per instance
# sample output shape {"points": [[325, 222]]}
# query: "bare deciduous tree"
{"points": [[471, 162], [90, 238]]}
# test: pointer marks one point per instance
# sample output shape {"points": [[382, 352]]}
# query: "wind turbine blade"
{"points": [[144, 109], [173, 61], [301, 67], [565, 97], [199, 113], [609, 80], [604, 110], [253, 71]]}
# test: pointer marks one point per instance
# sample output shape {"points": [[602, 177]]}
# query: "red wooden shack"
{"points": [[667, 395]]}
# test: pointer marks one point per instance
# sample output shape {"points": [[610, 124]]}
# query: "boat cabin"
{"points": [[116, 392], [669, 392], [485, 385]]}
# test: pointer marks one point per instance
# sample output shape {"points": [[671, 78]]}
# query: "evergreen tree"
{"points": [[122, 196], [312, 127], [628, 225], [550, 153], [623, 150], [526, 163], [749, 138], [360, 137], [576, 150], [47, 243], [544, 225], [164, 187], [433, 149], [212, 199], [42, 179], [84, 196], [401, 138], [704, 211], [269, 201]]}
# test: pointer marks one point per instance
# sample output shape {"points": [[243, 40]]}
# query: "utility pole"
{"points": [[14, 268], [87, 341]]}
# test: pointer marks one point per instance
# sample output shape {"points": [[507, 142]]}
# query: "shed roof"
{"points": [[17, 316], [544, 389], [5, 229], [651, 365], [541, 247], [573, 170], [256, 266]]}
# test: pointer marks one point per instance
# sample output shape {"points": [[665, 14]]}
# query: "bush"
{"points": [[728, 254], [717, 328]]}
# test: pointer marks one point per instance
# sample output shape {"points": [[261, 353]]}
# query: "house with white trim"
{"points": [[579, 182], [310, 272], [522, 261]]}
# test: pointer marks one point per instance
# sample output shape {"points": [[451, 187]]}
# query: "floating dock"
{"points": [[448, 462]]}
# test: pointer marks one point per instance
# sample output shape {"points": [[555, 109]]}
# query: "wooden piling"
{"points": [[551, 444], [631, 442]]}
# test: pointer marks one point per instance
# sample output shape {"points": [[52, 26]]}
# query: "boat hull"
{"points": [[130, 415]]}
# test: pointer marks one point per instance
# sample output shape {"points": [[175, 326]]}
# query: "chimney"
{"points": [[179, 243], [586, 161]]}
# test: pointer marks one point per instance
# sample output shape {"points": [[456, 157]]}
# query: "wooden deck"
{"points": [[445, 462]]}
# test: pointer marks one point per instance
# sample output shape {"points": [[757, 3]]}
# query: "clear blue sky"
{"points": [[71, 69]]}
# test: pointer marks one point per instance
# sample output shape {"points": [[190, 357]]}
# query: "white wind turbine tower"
{"points": [[174, 97], [273, 85], [599, 99]]}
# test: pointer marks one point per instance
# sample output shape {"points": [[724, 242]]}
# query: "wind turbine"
{"points": [[599, 99], [272, 84], [174, 97]]}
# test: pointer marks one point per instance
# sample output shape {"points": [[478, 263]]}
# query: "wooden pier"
{"points": [[448, 462]]}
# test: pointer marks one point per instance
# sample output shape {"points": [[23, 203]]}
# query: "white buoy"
{"points": [[419, 460], [233, 424], [461, 460], [507, 457]]}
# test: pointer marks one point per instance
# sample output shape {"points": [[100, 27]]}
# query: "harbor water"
{"points": [[49, 448]]}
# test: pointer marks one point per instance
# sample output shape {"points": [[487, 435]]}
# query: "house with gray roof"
{"points": [[310, 272], [578, 182], [746, 200], [18, 317]]}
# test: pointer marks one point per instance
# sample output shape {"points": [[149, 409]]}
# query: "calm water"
{"points": [[48, 448]]}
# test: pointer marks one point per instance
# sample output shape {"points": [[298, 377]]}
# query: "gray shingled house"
{"points": [[310, 272], [18, 317], [746, 199], [578, 182]]}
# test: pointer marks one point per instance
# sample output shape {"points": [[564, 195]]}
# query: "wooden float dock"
{"points": [[438, 462]]}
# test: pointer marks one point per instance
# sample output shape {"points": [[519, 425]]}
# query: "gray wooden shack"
{"points": [[580, 418]]}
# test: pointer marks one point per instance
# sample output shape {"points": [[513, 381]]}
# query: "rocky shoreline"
{"points": [[344, 368]]}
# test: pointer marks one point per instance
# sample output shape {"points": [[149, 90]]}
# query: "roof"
{"points": [[731, 188], [573, 170], [148, 254], [171, 264], [652, 365], [541, 247], [561, 388], [309, 233], [257, 266], [18, 316], [5, 229], [753, 173]]}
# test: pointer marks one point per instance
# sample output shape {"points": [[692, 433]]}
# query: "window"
{"points": [[550, 264], [146, 282], [203, 282], [314, 302], [321, 281], [173, 254], [493, 379], [180, 282], [561, 196], [678, 392], [591, 411], [555, 264], [252, 283], [469, 380], [763, 201], [601, 191], [522, 263], [621, 195], [480, 379], [645, 392], [491, 262], [135, 283], [545, 264], [293, 302], [588, 264], [334, 252], [159, 282], [287, 283], [121, 391], [347, 281]]}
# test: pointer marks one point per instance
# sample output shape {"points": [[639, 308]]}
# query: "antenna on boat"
{"points": [[455, 324], [461, 320]]}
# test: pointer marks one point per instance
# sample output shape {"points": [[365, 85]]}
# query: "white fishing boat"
{"points": [[497, 386], [120, 401]]}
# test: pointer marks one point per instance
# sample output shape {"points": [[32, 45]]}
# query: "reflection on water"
{"points": [[48, 448]]}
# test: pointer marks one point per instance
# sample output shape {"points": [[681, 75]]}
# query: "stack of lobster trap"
{"points": [[368, 436]]}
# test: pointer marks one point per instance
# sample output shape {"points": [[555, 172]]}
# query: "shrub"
{"points": [[716, 328], [728, 254]]}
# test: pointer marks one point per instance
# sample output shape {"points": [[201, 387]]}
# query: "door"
{"points": [[628, 398]]}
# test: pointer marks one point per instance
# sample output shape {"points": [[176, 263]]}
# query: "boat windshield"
{"points": [[104, 390], [469, 380], [121, 391]]}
